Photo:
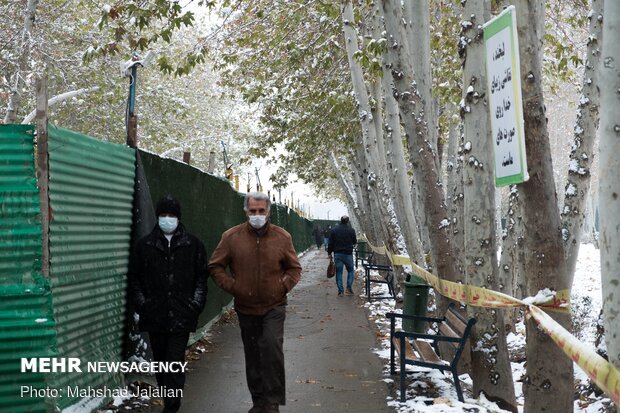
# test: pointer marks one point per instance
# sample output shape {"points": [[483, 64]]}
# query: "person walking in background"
{"points": [[341, 242], [318, 236], [326, 234], [264, 268], [168, 285]]}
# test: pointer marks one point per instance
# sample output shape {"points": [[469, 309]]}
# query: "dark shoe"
{"points": [[340, 294], [272, 408], [257, 409], [349, 292]]}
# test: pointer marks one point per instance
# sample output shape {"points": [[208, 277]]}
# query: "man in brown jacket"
{"points": [[264, 268]]}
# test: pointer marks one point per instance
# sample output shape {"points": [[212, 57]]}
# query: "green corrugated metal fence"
{"points": [[91, 195], [79, 311], [26, 324]]}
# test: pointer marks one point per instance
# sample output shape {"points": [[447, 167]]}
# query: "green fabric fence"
{"points": [[209, 207]]}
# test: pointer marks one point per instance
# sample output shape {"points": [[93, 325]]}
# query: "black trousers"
{"points": [[263, 341], [170, 347]]}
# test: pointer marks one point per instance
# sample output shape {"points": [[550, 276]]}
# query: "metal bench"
{"points": [[364, 258], [386, 276], [422, 349]]}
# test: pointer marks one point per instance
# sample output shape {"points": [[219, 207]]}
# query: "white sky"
{"points": [[318, 208]]}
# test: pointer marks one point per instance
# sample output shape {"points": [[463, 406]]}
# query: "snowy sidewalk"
{"points": [[328, 344]]}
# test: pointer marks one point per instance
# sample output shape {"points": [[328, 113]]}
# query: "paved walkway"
{"points": [[328, 342]]}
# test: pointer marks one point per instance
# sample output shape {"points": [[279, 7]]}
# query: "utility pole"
{"points": [[130, 70], [259, 186], [228, 172]]}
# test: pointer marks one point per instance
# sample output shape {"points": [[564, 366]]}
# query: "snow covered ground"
{"points": [[435, 391]]}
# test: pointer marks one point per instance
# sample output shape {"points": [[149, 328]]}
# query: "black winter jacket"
{"points": [[168, 285], [342, 239]]}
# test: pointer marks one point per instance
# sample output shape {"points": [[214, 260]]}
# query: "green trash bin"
{"points": [[361, 252], [361, 248], [415, 302]]}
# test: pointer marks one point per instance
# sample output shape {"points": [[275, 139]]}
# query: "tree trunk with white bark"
{"points": [[609, 193], [396, 166], [511, 264], [577, 188], [369, 214], [454, 170], [422, 156], [491, 372], [375, 173], [548, 385], [417, 18], [349, 193]]}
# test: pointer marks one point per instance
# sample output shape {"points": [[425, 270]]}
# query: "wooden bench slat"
{"points": [[409, 354], [426, 351], [456, 322], [446, 330]]}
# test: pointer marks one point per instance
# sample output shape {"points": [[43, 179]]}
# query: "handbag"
{"points": [[331, 268]]}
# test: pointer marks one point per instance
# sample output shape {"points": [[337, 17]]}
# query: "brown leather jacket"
{"points": [[264, 267]]}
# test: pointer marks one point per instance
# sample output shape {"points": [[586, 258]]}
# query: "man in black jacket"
{"points": [[341, 241], [168, 285]]}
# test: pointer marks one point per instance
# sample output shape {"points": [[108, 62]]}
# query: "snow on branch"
{"points": [[60, 98]]}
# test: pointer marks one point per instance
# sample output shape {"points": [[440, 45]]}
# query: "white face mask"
{"points": [[257, 221], [168, 224]]}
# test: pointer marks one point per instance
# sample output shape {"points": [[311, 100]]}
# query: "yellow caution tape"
{"points": [[483, 297], [603, 373], [469, 294], [399, 259]]}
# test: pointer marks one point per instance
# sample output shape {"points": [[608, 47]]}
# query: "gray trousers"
{"points": [[263, 340]]}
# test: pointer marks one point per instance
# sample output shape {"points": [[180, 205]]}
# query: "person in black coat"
{"points": [[318, 236], [342, 239], [168, 285], [326, 234]]}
